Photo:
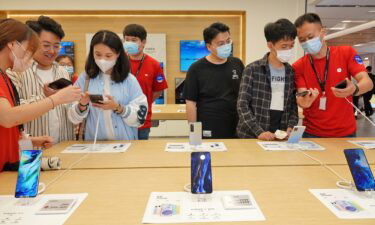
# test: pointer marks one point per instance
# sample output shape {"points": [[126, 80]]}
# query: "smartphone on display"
{"points": [[302, 94], [360, 169], [195, 134], [98, 99], [28, 174], [201, 176], [60, 84], [296, 134], [341, 85]]}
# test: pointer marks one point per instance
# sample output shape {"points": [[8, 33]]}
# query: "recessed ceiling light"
{"points": [[371, 11], [366, 58], [354, 21], [357, 45]]}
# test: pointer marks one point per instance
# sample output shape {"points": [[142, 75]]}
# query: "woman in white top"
{"points": [[124, 108]]}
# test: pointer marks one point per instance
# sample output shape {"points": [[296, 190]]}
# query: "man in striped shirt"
{"points": [[32, 84]]}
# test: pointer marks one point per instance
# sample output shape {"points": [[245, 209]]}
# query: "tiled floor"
{"points": [[364, 127]]}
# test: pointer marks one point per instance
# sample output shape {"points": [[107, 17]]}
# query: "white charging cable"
{"points": [[342, 183], [73, 164], [358, 110]]}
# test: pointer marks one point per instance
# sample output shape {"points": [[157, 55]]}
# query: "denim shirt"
{"points": [[127, 93]]}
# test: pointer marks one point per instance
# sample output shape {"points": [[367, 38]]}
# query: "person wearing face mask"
{"points": [[212, 84], [327, 110], [18, 43], [267, 101], [32, 84], [67, 62], [107, 73], [146, 69]]}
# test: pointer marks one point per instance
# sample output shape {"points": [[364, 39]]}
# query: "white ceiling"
{"points": [[334, 12]]}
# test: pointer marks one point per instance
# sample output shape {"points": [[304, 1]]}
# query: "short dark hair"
{"points": [[47, 24], [279, 30], [307, 18], [135, 30], [60, 57], [122, 67], [213, 30], [369, 68]]}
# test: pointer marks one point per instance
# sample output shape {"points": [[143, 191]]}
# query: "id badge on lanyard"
{"points": [[322, 84], [323, 102]]}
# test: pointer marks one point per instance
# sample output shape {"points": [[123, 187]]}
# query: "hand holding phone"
{"points": [[341, 85], [98, 99], [303, 93], [60, 84]]}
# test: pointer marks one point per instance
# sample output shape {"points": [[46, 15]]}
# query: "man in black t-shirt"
{"points": [[212, 85]]}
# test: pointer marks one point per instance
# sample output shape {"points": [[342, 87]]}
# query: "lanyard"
{"points": [[140, 65], [13, 93], [322, 84]]}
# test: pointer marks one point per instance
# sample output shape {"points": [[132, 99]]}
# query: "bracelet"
{"points": [[53, 103]]}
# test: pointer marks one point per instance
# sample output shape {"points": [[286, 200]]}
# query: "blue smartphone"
{"points": [[201, 176], [360, 169], [28, 174]]}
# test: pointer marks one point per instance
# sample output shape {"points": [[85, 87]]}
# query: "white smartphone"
{"points": [[296, 134], [195, 133]]}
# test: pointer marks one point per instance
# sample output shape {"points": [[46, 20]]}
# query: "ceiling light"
{"points": [[354, 21], [371, 11], [366, 58]]}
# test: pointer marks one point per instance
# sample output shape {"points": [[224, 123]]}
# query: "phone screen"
{"points": [[28, 174], [201, 176], [360, 169]]}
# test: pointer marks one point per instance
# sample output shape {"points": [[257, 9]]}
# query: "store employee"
{"points": [[212, 85], [328, 111]]}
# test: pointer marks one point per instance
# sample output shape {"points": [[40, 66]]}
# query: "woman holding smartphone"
{"points": [[18, 43], [107, 73]]}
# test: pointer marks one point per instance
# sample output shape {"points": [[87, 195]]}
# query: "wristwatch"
{"points": [[356, 90]]}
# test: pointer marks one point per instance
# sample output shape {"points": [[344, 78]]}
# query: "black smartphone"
{"points": [[302, 94], [201, 176], [98, 99], [360, 169], [341, 85], [28, 174], [60, 84]]}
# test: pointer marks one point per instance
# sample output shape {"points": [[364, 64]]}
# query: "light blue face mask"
{"points": [[224, 51], [312, 46], [131, 47], [69, 69]]}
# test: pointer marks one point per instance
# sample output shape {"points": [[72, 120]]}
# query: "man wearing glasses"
{"points": [[212, 85], [32, 84]]}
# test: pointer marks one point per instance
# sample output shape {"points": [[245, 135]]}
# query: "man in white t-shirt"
{"points": [[32, 84]]}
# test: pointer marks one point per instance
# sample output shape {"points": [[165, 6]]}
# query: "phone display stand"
{"points": [[370, 193], [201, 198]]}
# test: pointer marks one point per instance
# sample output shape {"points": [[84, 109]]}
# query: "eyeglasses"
{"points": [[48, 47]]}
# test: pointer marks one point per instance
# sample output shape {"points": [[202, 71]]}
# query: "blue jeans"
{"points": [[143, 134], [307, 135]]}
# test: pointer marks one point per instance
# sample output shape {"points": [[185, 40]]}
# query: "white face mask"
{"points": [[284, 55], [105, 65], [20, 65]]}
